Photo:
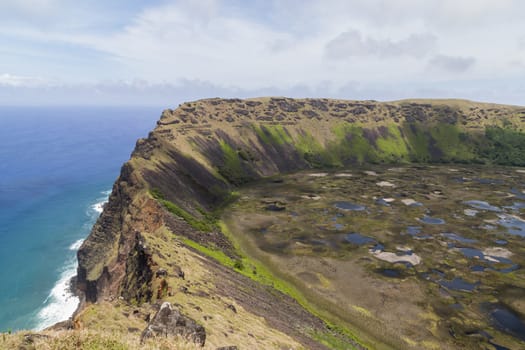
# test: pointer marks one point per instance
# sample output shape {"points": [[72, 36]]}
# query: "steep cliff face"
{"points": [[201, 152]]}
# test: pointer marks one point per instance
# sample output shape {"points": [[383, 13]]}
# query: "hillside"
{"points": [[160, 237]]}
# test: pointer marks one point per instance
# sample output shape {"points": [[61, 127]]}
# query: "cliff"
{"points": [[158, 237]]}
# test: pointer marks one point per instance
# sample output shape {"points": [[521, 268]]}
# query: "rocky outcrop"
{"points": [[168, 321], [95, 277], [115, 261]]}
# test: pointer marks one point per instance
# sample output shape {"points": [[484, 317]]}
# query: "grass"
{"points": [[452, 142], [206, 224], [314, 153], [88, 340], [414, 142], [393, 147], [232, 161], [258, 272], [411, 142], [273, 134], [351, 144], [418, 142], [331, 340], [504, 146], [232, 167], [211, 252]]}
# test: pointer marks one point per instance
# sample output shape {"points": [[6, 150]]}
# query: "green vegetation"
{"points": [[156, 193], [258, 272], [452, 143], [273, 134], [331, 340], [232, 168], [504, 146], [247, 267], [200, 225], [418, 143], [212, 252], [314, 153], [413, 142], [207, 224], [351, 145], [356, 144], [392, 148], [246, 155]]}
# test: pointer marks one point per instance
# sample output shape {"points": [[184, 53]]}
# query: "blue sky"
{"points": [[164, 52]]}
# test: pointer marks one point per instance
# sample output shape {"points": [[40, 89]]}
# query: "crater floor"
{"points": [[426, 256]]}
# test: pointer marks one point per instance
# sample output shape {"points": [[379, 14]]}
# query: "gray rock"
{"points": [[178, 271], [231, 307], [168, 321], [161, 273]]}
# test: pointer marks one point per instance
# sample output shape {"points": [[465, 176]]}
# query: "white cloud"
{"points": [[48, 15], [22, 81], [521, 42], [441, 14], [352, 43], [452, 64], [316, 46], [169, 95], [173, 42], [31, 7]]}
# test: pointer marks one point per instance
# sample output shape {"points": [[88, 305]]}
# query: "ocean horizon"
{"points": [[57, 168]]}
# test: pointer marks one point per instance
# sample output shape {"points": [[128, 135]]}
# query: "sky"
{"points": [[164, 52]]}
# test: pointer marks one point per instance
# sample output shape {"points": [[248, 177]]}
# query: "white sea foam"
{"points": [[76, 245], [98, 207], [61, 303]]}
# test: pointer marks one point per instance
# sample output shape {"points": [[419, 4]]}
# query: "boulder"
{"points": [[168, 321]]}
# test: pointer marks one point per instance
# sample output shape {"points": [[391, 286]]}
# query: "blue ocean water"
{"points": [[57, 165]]}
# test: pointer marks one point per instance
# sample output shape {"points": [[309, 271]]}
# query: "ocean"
{"points": [[57, 167]]}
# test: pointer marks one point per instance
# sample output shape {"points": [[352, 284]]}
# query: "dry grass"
{"points": [[87, 340], [201, 303], [205, 305]]}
